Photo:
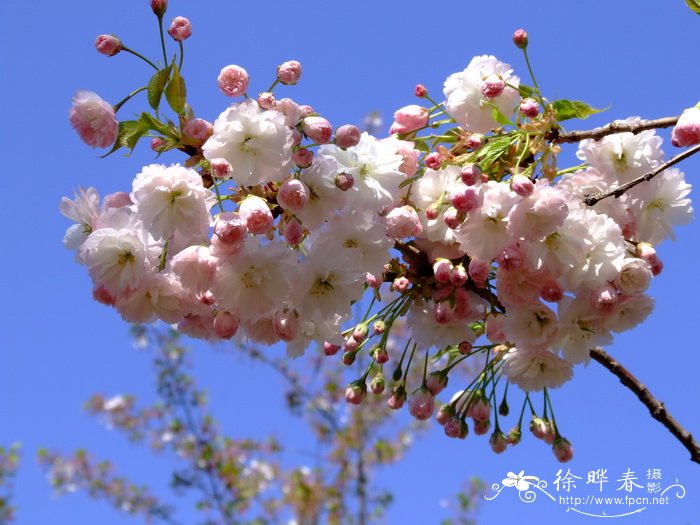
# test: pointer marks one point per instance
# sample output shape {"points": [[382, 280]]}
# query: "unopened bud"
{"points": [[397, 398], [400, 284], [347, 136], [226, 324], [379, 327], [436, 382], [529, 108], [433, 160], [356, 392], [159, 7], [380, 355], [233, 81], [108, 45], [563, 450], [470, 174], [520, 38], [293, 232], [492, 86], [458, 276], [256, 214], [289, 72], [330, 348], [482, 427], [378, 384], [317, 129], [349, 358], [420, 91], [475, 141], [498, 442], [444, 413], [442, 268], [465, 347], [180, 28], [522, 185], [344, 181]]}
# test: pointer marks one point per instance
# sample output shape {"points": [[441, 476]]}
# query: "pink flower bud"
{"points": [[344, 181], [443, 313], [356, 392], [380, 355], [458, 276], [266, 100], [604, 299], [433, 160], [409, 118], [233, 81], [479, 271], [348, 357], [453, 217], [303, 157], [317, 129], [465, 348], [563, 450], [377, 385], [436, 382], [293, 195], [158, 144], [433, 212], [296, 137], [470, 174], [290, 110], [180, 28], [400, 284], [482, 427], [102, 296], [465, 199], [379, 327], [198, 129], [231, 228], [289, 73], [360, 332], [347, 136], [403, 222], [498, 442], [492, 86], [286, 325], [444, 413], [475, 141], [256, 214], [511, 258], [159, 7], [330, 349], [442, 268], [479, 409], [539, 427], [351, 344], [422, 404], [687, 130], [93, 119], [514, 436], [552, 291], [521, 185], [225, 324], [220, 168], [456, 427], [520, 38], [306, 110], [421, 91], [397, 398], [529, 108], [108, 45], [646, 252], [372, 281], [293, 232]]}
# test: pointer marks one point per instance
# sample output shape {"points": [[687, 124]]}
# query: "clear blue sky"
{"points": [[57, 346]]}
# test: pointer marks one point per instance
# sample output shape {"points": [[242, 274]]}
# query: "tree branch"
{"points": [[656, 408], [612, 128], [593, 198]]}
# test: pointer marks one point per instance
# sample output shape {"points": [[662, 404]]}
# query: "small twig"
{"points": [[593, 198], [612, 128], [656, 408]]}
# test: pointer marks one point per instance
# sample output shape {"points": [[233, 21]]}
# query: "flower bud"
{"points": [[159, 7], [220, 168], [539, 427], [256, 214], [433, 212], [317, 129], [397, 398], [180, 28], [400, 284], [289, 72], [372, 281], [356, 392], [498, 442], [563, 450], [433, 160], [465, 347], [378, 384], [225, 324], [479, 409], [646, 252], [453, 218], [604, 299], [344, 181], [233, 80], [465, 199], [198, 129], [492, 86], [443, 313], [482, 427], [330, 349], [470, 174], [442, 268], [306, 110], [102, 296], [436, 382], [403, 222], [286, 325], [552, 291], [293, 232], [379, 327], [522, 185], [360, 332], [475, 141], [380, 355], [158, 144], [456, 427], [266, 100], [293, 195], [687, 130], [479, 271], [421, 91], [444, 413], [422, 404], [349, 358], [351, 344], [230, 228], [108, 45], [529, 108], [458, 276], [520, 38], [347, 136], [514, 436], [409, 119]]}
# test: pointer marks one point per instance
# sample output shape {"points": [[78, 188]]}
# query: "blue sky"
{"points": [[57, 346]]}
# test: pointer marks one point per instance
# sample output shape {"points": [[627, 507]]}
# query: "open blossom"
{"points": [[533, 370], [256, 143], [467, 103], [172, 199], [84, 211], [233, 80], [93, 119], [409, 118], [531, 326]]}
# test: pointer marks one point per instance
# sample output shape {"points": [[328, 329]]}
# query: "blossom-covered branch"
{"points": [[657, 409], [612, 128], [9, 461]]}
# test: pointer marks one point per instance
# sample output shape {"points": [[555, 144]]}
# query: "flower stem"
{"points": [[139, 55], [123, 101]]}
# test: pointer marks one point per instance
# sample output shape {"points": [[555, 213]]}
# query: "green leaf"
{"points": [[568, 109], [175, 91], [525, 91], [169, 129], [495, 148], [156, 86], [499, 117], [694, 5]]}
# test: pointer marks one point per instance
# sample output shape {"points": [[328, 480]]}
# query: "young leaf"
{"points": [[568, 109], [175, 91], [156, 86], [525, 91], [499, 117], [494, 149], [126, 129], [694, 5]]}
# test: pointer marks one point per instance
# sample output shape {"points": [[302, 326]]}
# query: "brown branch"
{"points": [[612, 128], [656, 408], [593, 198]]}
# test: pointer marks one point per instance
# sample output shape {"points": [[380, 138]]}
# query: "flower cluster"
{"points": [[460, 221]]}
